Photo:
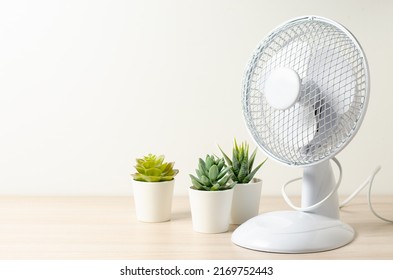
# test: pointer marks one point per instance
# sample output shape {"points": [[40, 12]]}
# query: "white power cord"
{"points": [[369, 182], [360, 188]]}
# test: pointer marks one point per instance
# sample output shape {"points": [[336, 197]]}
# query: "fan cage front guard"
{"points": [[338, 87]]}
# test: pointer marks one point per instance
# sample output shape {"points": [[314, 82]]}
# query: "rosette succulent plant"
{"points": [[152, 168], [212, 175], [241, 165]]}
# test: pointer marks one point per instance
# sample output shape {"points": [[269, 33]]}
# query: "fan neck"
{"points": [[318, 182]]}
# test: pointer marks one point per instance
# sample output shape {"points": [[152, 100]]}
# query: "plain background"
{"points": [[88, 86]]}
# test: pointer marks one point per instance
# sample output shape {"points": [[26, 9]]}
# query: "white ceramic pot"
{"points": [[153, 200], [246, 198], [210, 210]]}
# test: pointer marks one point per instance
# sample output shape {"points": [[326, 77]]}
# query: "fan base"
{"points": [[292, 232]]}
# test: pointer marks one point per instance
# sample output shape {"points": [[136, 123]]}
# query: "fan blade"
{"points": [[333, 74], [298, 122], [326, 121]]}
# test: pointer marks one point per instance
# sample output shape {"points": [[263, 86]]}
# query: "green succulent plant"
{"points": [[212, 175], [241, 165], [152, 168]]}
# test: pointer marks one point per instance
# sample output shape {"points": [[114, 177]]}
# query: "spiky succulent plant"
{"points": [[212, 175], [152, 168], [241, 165]]}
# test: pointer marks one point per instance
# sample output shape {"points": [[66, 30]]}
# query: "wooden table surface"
{"points": [[95, 228]]}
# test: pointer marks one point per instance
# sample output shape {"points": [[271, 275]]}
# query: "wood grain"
{"points": [[106, 228]]}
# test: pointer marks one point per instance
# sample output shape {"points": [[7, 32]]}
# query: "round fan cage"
{"points": [[333, 94]]}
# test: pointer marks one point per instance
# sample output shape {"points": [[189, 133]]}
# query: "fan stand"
{"points": [[297, 231]]}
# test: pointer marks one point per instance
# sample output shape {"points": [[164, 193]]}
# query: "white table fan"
{"points": [[304, 96]]}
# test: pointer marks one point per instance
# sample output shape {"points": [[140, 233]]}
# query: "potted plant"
{"points": [[211, 196], [247, 191], [153, 188]]}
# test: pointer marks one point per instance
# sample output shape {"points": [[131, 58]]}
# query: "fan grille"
{"points": [[334, 91]]}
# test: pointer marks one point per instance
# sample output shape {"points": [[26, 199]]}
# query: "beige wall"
{"points": [[87, 86]]}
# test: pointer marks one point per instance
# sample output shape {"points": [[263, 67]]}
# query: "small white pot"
{"points": [[153, 200], [210, 210], [246, 198]]}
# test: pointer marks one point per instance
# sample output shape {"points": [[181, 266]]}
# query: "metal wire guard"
{"points": [[333, 98]]}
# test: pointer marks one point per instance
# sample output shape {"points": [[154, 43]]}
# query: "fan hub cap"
{"points": [[282, 88]]}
